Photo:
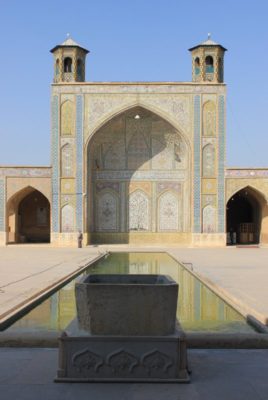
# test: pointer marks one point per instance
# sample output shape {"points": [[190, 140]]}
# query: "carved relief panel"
{"points": [[107, 212], [67, 218], [209, 219], [168, 210], [209, 161], [138, 211], [67, 161]]}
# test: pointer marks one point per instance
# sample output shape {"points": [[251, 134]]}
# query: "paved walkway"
{"points": [[239, 274], [27, 271], [27, 374]]}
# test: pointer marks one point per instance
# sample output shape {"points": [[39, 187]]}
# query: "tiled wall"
{"points": [[197, 179], [221, 199], [55, 163], [79, 162]]}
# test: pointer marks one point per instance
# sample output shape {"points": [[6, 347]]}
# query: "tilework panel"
{"points": [[197, 179], [67, 186], [79, 162], [221, 199], [32, 172], [246, 173], [55, 163], [209, 186], [2, 205], [145, 159]]}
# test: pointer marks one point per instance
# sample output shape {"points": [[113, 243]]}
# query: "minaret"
{"points": [[207, 61], [69, 61]]}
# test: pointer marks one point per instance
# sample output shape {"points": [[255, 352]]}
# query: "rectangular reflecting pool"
{"points": [[199, 309]]}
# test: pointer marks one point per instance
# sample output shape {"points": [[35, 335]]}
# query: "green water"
{"points": [[199, 309]]}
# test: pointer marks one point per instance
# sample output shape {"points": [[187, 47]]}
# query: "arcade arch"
{"points": [[245, 212], [28, 217]]}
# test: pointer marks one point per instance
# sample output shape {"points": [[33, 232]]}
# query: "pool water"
{"points": [[199, 309]]}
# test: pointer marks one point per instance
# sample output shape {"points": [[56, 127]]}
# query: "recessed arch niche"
{"points": [[28, 217], [131, 160], [244, 216]]}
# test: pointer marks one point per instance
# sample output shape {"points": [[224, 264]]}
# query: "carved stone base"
{"points": [[88, 358]]}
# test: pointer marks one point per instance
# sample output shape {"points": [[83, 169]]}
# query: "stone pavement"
{"points": [[27, 374], [240, 275], [28, 271]]}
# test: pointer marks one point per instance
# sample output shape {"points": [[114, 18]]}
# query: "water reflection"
{"points": [[199, 309]]}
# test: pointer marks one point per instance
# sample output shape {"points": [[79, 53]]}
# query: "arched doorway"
{"points": [[244, 214], [138, 184], [29, 217]]}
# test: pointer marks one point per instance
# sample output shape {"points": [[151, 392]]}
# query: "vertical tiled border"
{"points": [[55, 162], [197, 178], [79, 162], [2, 205], [221, 197]]}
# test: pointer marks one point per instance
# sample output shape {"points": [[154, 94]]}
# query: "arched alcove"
{"points": [[132, 160], [68, 64], [244, 217], [28, 217], [197, 66]]}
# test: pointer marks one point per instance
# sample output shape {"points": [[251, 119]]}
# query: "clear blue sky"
{"points": [[129, 41]]}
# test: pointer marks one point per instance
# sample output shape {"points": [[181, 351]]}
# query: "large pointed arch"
{"points": [[155, 110], [129, 153], [258, 193]]}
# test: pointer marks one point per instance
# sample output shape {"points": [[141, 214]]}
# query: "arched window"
{"points": [[57, 67], [79, 69], [68, 64], [197, 66], [220, 70], [209, 65]]}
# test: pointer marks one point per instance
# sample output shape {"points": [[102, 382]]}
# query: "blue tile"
{"points": [[79, 162], [197, 178], [55, 163], [221, 162]]}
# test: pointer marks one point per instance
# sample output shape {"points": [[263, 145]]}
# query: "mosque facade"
{"points": [[136, 162]]}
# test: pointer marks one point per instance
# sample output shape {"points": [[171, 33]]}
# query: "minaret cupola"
{"points": [[69, 61], [207, 61]]}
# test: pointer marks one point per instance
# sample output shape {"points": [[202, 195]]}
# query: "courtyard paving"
{"points": [[27, 374], [26, 272], [240, 275]]}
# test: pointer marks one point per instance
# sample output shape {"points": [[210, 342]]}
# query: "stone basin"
{"points": [[127, 305]]}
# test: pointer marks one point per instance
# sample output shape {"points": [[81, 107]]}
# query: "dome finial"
{"points": [[209, 36], [68, 35]]}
